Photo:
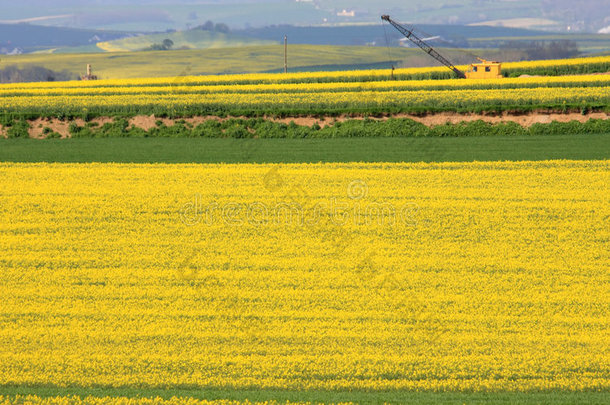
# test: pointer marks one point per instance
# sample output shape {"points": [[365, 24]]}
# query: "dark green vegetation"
{"points": [[204, 150], [32, 38], [558, 70], [12, 74], [390, 397]]}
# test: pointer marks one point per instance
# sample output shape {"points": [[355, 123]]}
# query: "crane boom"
{"points": [[423, 45]]}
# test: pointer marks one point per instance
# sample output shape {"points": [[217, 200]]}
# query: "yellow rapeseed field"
{"points": [[111, 88], [91, 400], [310, 92], [462, 98], [448, 276], [312, 77]]}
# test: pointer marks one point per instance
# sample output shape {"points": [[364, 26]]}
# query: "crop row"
{"points": [[405, 85], [324, 102], [547, 68]]}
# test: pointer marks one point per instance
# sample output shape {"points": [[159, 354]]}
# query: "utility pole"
{"points": [[285, 53]]}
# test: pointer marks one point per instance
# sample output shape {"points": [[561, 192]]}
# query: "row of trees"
{"points": [[210, 26], [166, 45]]}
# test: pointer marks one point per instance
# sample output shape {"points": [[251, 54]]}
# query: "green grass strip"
{"points": [[211, 150], [259, 395]]}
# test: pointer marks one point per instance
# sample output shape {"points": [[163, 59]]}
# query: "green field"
{"points": [[191, 39], [198, 150], [249, 59]]}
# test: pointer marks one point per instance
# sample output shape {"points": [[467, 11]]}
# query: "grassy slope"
{"points": [[202, 150], [195, 39], [32, 37], [208, 61]]}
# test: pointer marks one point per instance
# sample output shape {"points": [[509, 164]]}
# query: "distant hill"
{"points": [[30, 38], [452, 36], [376, 33], [249, 59], [584, 16], [190, 39]]}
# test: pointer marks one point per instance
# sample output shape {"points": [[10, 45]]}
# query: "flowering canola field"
{"points": [[92, 400], [369, 91], [355, 277]]}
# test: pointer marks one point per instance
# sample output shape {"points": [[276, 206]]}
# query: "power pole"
{"points": [[285, 53]]}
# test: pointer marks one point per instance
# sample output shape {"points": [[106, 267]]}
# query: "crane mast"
{"points": [[423, 45]]}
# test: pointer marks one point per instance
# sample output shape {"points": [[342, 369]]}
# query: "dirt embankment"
{"points": [[431, 120], [525, 120], [42, 127]]}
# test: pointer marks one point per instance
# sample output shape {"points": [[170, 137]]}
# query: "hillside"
{"points": [[30, 38], [214, 61], [190, 39], [369, 33]]}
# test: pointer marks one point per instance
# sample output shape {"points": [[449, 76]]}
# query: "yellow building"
{"points": [[485, 70]]}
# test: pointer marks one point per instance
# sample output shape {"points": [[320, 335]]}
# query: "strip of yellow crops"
{"points": [[529, 82], [556, 62], [233, 79], [436, 98], [451, 276], [90, 400], [270, 78]]}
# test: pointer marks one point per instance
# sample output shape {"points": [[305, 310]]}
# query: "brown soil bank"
{"points": [[431, 120], [41, 127], [525, 120]]}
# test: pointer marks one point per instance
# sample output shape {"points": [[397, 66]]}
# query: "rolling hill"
{"points": [[189, 39], [250, 59], [31, 38]]}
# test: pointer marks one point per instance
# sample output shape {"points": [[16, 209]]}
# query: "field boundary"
{"points": [[314, 396], [40, 128]]}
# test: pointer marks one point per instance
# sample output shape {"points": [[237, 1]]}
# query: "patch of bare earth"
{"points": [[3, 132], [147, 122], [525, 120], [431, 120], [100, 121], [38, 126]]}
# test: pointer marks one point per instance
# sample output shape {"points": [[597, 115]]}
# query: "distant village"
{"points": [[8, 50]]}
